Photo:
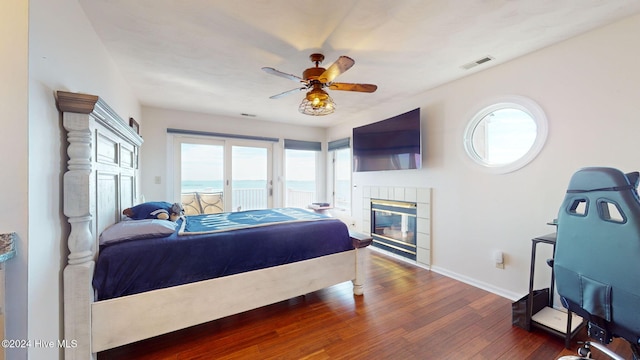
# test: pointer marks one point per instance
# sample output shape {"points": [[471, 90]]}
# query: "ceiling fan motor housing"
{"points": [[312, 73]]}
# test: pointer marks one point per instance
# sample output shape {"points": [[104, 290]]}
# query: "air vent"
{"points": [[477, 62]]}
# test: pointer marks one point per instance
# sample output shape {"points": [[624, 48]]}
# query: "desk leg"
{"points": [[531, 277]]}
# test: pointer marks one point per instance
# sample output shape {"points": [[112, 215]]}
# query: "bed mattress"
{"points": [[136, 266]]}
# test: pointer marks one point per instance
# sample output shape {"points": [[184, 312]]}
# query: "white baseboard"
{"points": [[479, 284], [450, 274]]}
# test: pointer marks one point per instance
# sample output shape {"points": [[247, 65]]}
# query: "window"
{"points": [[340, 154], [506, 135], [300, 172], [300, 175], [342, 179]]}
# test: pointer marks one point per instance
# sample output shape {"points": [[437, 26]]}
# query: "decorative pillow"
{"points": [[149, 210], [137, 229]]}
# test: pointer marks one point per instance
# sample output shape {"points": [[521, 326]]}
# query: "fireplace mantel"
{"points": [[421, 196]]}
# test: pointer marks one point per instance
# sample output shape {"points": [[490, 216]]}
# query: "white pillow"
{"points": [[137, 229]]}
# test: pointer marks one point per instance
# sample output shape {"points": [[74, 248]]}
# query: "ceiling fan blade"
{"points": [[368, 88], [341, 65], [272, 71], [288, 92]]}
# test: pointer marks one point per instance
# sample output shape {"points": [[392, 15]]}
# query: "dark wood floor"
{"points": [[405, 313]]}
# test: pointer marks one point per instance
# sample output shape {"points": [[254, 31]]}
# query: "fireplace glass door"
{"points": [[394, 227]]}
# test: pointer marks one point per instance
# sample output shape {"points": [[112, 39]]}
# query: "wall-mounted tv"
{"points": [[391, 144]]}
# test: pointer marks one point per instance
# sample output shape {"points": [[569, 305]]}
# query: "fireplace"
{"points": [[393, 226]]}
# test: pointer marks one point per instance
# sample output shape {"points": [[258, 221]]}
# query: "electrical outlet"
{"points": [[498, 257]]}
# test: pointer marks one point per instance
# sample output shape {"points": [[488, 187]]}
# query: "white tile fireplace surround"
{"points": [[421, 196]]}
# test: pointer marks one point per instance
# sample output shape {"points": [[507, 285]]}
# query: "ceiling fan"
{"points": [[315, 79]]}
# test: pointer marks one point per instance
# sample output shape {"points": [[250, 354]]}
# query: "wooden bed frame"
{"points": [[101, 181]]}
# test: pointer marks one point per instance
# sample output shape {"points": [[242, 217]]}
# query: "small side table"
{"points": [[547, 318]]}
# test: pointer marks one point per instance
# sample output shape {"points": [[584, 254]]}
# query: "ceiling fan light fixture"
{"points": [[317, 95], [317, 103]]}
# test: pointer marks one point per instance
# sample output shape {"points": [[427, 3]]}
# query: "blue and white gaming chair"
{"points": [[597, 256]]}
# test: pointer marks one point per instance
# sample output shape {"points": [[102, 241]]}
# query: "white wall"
{"points": [[14, 159], [64, 54], [588, 87], [155, 160]]}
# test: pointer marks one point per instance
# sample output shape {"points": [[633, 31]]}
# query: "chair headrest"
{"points": [[602, 179]]}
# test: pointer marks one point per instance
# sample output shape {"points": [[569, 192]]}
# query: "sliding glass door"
{"points": [[200, 176], [216, 175], [251, 183]]}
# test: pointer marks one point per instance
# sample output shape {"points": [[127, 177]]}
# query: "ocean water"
{"points": [[216, 185]]}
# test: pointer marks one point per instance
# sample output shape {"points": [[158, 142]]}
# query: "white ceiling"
{"points": [[206, 55]]}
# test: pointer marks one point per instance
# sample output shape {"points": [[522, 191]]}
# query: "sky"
{"points": [[510, 133], [205, 162]]}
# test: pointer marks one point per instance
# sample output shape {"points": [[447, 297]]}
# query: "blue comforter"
{"points": [[212, 223], [136, 266]]}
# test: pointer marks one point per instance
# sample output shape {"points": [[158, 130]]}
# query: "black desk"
{"points": [[568, 334]]}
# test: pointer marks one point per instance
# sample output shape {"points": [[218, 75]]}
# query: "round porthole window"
{"points": [[506, 135]]}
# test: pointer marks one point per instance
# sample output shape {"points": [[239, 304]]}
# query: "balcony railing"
{"points": [[249, 199], [299, 198], [243, 199]]}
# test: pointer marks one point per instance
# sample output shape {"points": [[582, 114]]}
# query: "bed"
{"points": [[100, 182]]}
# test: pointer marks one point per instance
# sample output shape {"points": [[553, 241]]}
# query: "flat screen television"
{"points": [[391, 144]]}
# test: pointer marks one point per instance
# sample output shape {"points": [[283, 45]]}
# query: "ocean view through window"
{"points": [[235, 174], [300, 175], [342, 179]]}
